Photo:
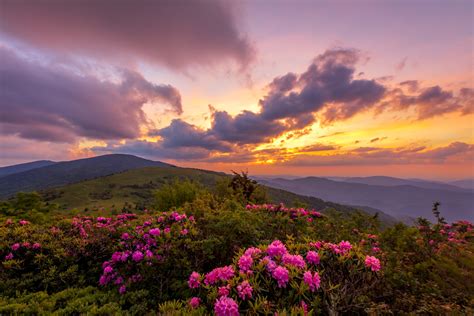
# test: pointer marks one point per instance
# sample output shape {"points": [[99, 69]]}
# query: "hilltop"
{"points": [[66, 172]]}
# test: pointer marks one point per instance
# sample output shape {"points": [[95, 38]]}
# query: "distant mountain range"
{"points": [[397, 197], [46, 174], [392, 182]]}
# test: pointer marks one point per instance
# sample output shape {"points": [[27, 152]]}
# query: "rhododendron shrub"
{"points": [[293, 213], [146, 254], [315, 276]]}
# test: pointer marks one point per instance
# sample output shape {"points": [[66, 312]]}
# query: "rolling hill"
{"points": [[398, 201], [135, 187], [66, 172]]}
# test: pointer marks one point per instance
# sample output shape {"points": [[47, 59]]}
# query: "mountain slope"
{"points": [[136, 187], [5, 171], [62, 173], [397, 201]]}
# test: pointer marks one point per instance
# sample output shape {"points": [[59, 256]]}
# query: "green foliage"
{"points": [[176, 194], [427, 269], [27, 206]]}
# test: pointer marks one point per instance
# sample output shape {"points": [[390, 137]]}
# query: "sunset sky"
{"points": [[328, 88]]}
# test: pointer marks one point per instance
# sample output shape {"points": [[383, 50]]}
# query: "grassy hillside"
{"points": [[136, 187]]}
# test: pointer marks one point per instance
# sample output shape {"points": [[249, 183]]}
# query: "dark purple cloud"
{"points": [[428, 102], [328, 84], [245, 128], [181, 134], [175, 33], [55, 104]]}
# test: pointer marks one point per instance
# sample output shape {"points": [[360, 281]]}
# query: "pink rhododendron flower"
{"points": [[194, 280], [245, 263], [252, 251], [317, 244], [223, 274], [194, 302], [281, 275], [9, 256], [108, 270], [304, 306], [125, 236], [276, 248], [223, 291], [375, 249], [103, 280], [313, 257], [372, 263], [149, 253], [122, 289], [269, 263], [312, 280], [26, 244], [167, 230], [36, 246], [344, 246], [23, 222], [293, 260], [154, 232], [184, 232], [225, 306], [15, 246], [137, 256], [244, 290]]}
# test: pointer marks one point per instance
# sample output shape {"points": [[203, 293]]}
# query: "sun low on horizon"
{"points": [[332, 88]]}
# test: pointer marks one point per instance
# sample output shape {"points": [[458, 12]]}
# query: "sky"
{"points": [[323, 88]]}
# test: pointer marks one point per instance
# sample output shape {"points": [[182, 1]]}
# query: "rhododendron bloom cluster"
{"points": [[245, 290], [372, 263], [219, 274], [194, 280], [225, 306], [276, 248], [281, 275], [312, 280], [277, 269], [194, 302], [293, 213]]}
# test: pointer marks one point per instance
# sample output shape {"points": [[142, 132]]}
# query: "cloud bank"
{"points": [[177, 34], [55, 104]]}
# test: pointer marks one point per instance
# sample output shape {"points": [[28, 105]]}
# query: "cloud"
{"points": [[412, 85], [327, 83], [245, 128], [456, 152], [174, 33], [326, 92], [56, 104], [377, 139], [181, 134], [429, 102], [401, 65]]}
